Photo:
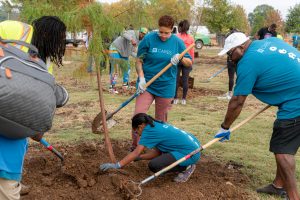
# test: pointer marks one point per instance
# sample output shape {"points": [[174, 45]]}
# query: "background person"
{"points": [[295, 39], [155, 52], [51, 49], [266, 32], [270, 70], [167, 144], [120, 50], [231, 72], [183, 28]]}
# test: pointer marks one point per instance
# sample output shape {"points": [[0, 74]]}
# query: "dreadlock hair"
{"points": [[141, 118], [49, 35]]}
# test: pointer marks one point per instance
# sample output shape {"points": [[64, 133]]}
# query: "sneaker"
{"points": [[184, 176], [271, 189], [175, 101], [226, 96], [125, 86], [25, 189], [183, 101]]}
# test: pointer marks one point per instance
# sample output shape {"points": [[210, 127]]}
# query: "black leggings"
{"points": [[185, 79], [162, 161], [231, 71]]}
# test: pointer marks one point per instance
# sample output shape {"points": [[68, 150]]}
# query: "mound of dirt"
{"points": [[79, 177]]}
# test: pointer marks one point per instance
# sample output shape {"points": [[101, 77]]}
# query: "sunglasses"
{"points": [[230, 53]]}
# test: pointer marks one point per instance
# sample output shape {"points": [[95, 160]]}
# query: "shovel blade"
{"points": [[97, 126]]}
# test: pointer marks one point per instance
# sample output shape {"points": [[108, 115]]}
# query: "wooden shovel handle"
{"points": [[237, 126], [168, 66]]}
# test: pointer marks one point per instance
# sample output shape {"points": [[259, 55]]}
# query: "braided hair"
{"points": [[141, 118], [49, 35]]}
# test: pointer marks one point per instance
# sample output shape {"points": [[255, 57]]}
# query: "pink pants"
{"points": [[142, 105]]}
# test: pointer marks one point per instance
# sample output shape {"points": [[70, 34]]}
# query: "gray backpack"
{"points": [[28, 93]]}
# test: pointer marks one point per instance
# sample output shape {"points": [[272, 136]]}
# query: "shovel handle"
{"points": [[237, 126], [51, 148], [201, 148], [168, 66]]}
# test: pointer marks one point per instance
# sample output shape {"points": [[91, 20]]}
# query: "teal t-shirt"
{"points": [[169, 139], [270, 70], [156, 54], [12, 153]]}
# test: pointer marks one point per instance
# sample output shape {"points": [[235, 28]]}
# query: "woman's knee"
{"points": [[153, 166]]}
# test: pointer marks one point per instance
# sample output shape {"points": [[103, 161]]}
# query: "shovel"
{"points": [[52, 149], [139, 184], [98, 119], [214, 75]]}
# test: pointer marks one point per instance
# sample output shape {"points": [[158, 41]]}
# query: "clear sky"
{"points": [[281, 5], [249, 5]]}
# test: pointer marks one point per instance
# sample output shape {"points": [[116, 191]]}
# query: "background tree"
{"points": [[293, 20], [274, 16], [216, 15], [219, 16], [77, 15], [239, 19], [258, 16]]}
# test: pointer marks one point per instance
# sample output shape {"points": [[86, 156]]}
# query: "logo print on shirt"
{"points": [[284, 51], [154, 50]]}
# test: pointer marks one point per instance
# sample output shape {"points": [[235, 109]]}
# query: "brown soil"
{"points": [[210, 60], [192, 93], [79, 177]]}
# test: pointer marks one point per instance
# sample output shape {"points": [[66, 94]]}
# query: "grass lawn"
{"points": [[201, 116]]}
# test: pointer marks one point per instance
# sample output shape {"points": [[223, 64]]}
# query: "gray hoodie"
{"points": [[123, 43]]}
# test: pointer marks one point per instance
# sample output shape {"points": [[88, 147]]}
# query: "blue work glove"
{"points": [[224, 134], [142, 84], [175, 59], [104, 167]]}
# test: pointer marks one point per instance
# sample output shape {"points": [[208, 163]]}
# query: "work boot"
{"points": [[273, 190], [184, 176]]}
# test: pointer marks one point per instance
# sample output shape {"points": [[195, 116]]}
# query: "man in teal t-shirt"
{"points": [[166, 145], [270, 70]]}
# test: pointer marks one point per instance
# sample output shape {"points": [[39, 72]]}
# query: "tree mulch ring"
{"points": [[80, 178]]}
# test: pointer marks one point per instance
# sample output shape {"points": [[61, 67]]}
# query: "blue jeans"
{"points": [[114, 57]]}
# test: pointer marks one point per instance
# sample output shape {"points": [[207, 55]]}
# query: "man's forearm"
{"points": [[234, 109]]}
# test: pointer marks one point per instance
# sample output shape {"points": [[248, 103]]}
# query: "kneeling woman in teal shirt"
{"points": [[166, 143]]}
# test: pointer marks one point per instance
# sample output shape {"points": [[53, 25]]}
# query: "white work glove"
{"points": [[142, 84], [175, 59]]}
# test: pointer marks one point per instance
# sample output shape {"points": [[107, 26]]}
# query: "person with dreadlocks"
{"points": [[48, 35], [166, 144]]}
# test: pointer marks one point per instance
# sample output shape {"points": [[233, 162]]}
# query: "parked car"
{"points": [[74, 42], [74, 38], [201, 36]]}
